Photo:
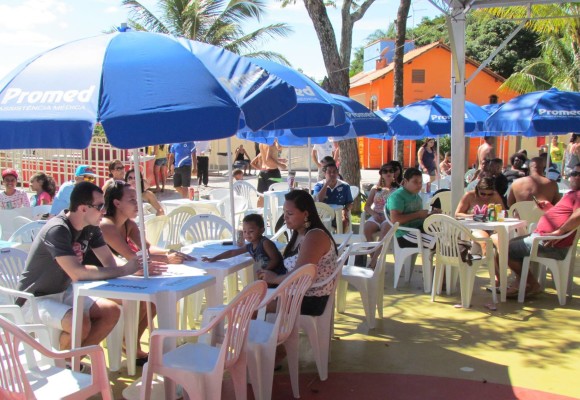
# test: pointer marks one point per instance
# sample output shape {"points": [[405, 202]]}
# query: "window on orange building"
{"points": [[418, 76], [374, 103]]}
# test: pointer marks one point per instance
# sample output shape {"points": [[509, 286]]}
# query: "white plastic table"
{"points": [[273, 199], [212, 206], [503, 230], [221, 270], [164, 290]]}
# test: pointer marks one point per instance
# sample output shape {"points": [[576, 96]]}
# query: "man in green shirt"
{"points": [[405, 206]]}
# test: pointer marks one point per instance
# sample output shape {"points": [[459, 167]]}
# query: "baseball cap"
{"points": [[9, 171], [85, 170]]}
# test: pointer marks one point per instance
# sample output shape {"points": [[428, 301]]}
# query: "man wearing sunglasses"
{"points": [[56, 259], [558, 220], [83, 173]]}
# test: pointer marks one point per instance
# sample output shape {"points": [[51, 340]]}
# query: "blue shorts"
{"points": [[521, 247]]}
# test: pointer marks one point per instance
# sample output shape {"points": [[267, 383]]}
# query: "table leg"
{"points": [[77, 326], [502, 252], [215, 293], [167, 319], [131, 321]]}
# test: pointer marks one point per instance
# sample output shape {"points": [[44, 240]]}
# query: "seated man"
{"points": [[405, 206], [535, 185], [62, 198], [558, 220], [332, 190], [54, 262]]}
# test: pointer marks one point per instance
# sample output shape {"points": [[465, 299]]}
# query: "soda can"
{"points": [[191, 192]]}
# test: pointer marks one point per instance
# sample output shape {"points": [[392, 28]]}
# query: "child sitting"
{"points": [[262, 249]]}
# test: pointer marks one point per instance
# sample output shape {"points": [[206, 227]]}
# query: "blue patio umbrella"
{"points": [[143, 87], [489, 109], [315, 106], [432, 117], [538, 114]]}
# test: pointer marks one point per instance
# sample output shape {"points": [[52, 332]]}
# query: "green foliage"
{"points": [[356, 65], [216, 22]]}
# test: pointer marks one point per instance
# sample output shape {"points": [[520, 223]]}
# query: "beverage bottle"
{"points": [[498, 212], [191, 193], [491, 212], [240, 236], [291, 179], [196, 195]]}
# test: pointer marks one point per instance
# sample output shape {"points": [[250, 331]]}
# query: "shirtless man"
{"points": [[268, 163], [536, 184], [485, 151]]}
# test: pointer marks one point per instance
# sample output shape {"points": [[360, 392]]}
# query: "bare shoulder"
{"points": [[316, 237]]}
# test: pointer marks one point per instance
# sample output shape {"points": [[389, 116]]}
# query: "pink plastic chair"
{"points": [[199, 367], [47, 381], [265, 336]]}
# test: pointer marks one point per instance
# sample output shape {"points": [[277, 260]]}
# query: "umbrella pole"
{"points": [[231, 185], [437, 172], [549, 158], [141, 213], [289, 158], [309, 167]]}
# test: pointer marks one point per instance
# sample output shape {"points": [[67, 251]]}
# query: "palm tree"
{"points": [[215, 22], [559, 64]]}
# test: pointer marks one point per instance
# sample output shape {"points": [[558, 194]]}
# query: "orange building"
{"points": [[427, 72]]}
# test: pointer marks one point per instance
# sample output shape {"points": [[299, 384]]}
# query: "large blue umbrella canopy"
{"points": [[145, 88], [360, 121], [489, 109], [315, 107], [538, 114], [432, 117]]}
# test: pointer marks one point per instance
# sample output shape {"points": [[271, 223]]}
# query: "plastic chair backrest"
{"points": [[149, 209], [12, 263], [469, 174], [526, 210], [282, 235], [471, 185], [154, 228], [39, 211], [27, 233], [445, 200], [289, 295], [238, 314], [324, 211], [563, 185], [246, 190], [175, 221], [205, 227], [448, 233]]}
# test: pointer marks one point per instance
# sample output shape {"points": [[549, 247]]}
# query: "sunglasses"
{"points": [[486, 194], [574, 173], [98, 207], [387, 171], [89, 178]]}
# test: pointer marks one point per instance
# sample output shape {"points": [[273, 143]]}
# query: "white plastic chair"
{"points": [[282, 235], [445, 200], [175, 221], [319, 329], [469, 174], [199, 367], [247, 190], [240, 207], [219, 194], [326, 214], [154, 228], [528, 211], [25, 234], [563, 185], [370, 283], [47, 382], [354, 191], [19, 221], [449, 235], [562, 270], [39, 211], [405, 258], [205, 227], [12, 262], [471, 185], [148, 209], [278, 186], [264, 336]]}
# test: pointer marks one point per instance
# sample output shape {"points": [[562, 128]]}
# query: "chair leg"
{"points": [[239, 377], [523, 279], [341, 295], [427, 271], [291, 345], [261, 370], [146, 382], [560, 277], [437, 281]]}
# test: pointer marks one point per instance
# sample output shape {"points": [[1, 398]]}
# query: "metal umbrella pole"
{"points": [[141, 214]]}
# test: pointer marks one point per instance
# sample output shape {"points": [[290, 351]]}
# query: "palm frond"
{"points": [[269, 55], [144, 18]]}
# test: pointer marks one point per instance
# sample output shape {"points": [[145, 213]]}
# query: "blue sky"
{"points": [[28, 27]]}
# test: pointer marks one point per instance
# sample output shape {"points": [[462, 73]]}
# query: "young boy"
{"points": [[238, 175], [262, 249]]}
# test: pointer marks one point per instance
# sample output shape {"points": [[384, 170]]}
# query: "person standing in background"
{"points": [[160, 168], [182, 157], [268, 163], [11, 197], [202, 150], [557, 153], [319, 151]]}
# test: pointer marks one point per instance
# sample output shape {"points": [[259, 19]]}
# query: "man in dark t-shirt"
{"points": [[55, 260]]}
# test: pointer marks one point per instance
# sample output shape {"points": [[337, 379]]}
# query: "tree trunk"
{"points": [[402, 15], [337, 64]]}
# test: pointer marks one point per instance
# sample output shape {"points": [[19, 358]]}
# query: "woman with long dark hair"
{"points": [[311, 243], [147, 195], [428, 158], [45, 189]]}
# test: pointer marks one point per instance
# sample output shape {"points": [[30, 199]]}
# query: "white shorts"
{"points": [[53, 307], [372, 219]]}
